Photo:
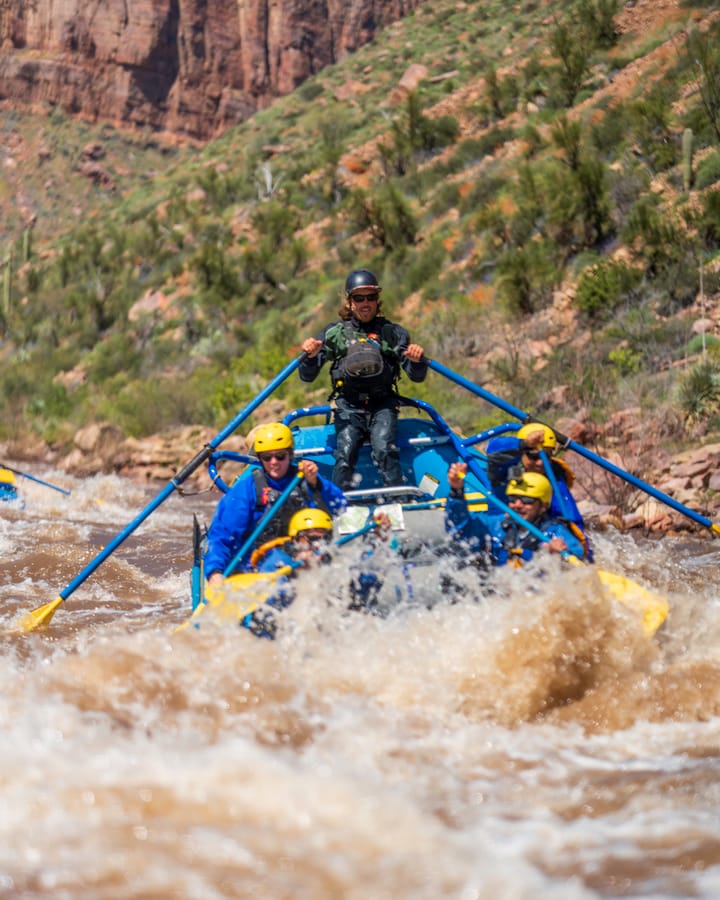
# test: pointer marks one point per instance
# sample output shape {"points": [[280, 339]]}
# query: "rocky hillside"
{"points": [[446, 154]]}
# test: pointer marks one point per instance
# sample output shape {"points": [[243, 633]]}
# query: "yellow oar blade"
{"points": [[40, 617], [651, 607], [238, 596]]}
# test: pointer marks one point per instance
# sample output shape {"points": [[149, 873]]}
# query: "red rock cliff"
{"points": [[186, 66]]}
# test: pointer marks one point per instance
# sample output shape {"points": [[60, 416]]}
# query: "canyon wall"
{"points": [[191, 67]]}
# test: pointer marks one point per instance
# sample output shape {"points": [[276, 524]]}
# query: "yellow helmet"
{"points": [[549, 439], [532, 484], [7, 476], [275, 436], [309, 519]]}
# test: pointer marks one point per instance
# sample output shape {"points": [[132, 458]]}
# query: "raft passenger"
{"points": [[501, 536], [239, 511], [308, 543], [509, 455]]}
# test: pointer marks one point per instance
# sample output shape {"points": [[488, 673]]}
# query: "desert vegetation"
{"points": [[545, 161]]}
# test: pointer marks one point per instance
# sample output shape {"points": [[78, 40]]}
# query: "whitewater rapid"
{"points": [[525, 742]]}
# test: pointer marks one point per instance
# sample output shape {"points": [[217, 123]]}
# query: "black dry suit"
{"points": [[365, 359], [365, 363]]}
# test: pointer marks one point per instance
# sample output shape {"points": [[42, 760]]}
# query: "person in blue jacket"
{"points": [[510, 454], [246, 502], [366, 353], [500, 536], [8, 490]]}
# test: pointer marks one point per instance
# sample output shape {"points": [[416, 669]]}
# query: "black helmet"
{"points": [[360, 278]]}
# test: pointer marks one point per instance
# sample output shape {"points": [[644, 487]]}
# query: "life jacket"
{"points": [[299, 498], [517, 540], [364, 364]]}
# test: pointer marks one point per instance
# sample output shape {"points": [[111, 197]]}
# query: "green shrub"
{"points": [[699, 392], [708, 223], [625, 361], [387, 215], [483, 192], [310, 90], [650, 120], [568, 44], [602, 287], [117, 354], [708, 171], [704, 51], [700, 342], [598, 17], [609, 135], [425, 267], [525, 276], [145, 407]]}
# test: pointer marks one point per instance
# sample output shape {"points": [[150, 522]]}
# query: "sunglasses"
{"points": [[316, 536], [526, 501], [279, 455], [360, 298]]}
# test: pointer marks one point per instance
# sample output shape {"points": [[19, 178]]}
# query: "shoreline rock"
{"points": [[690, 477]]}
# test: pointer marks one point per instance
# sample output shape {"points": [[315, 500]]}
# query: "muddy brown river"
{"points": [[527, 742]]}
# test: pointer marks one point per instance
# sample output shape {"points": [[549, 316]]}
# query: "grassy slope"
{"points": [[205, 346]]}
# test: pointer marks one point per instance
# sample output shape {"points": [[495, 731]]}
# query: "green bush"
{"points": [[700, 342], [699, 392], [525, 276], [387, 215], [625, 361], [610, 134], [310, 90], [708, 171], [598, 17], [602, 287], [117, 354], [708, 223], [147, 406], [425, 268], [650, 120]]}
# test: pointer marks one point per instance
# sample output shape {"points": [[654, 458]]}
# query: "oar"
{"points": [[197, 575], [33, 478], [262, 524], [41, 616], [254, 586], [550, 474], [577, 448]]}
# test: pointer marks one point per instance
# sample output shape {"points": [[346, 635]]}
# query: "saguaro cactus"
{"points": [[27, 244], [687, 154], [7, 282]]}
